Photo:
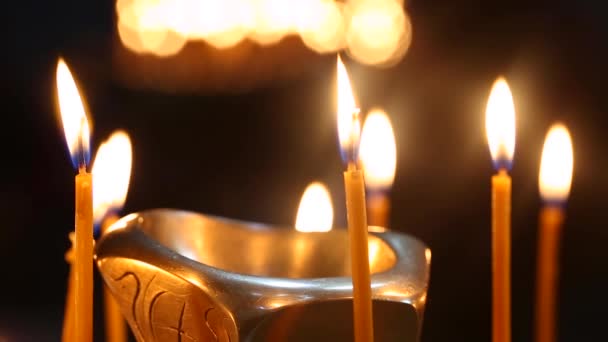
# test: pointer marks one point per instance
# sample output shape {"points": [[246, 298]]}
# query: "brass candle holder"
{"points": [[185, 276]]}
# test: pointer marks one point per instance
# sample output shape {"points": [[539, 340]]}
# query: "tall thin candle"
{"points": [[67, 334], [115, 324], [76, 127], [555, 178], [349, 128], [500, 129], [111, 176]]}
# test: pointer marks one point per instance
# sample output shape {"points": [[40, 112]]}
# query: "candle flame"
{"points": [[315, 213], [378, 151], [500, 124], [111, 175], [349, 125], [555, 176], [73, 116]]}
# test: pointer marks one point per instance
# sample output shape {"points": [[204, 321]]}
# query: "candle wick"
{"points": [[355, 136], [82, 147]]}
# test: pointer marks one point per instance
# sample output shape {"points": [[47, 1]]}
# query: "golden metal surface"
{"points": [[185, 276]]}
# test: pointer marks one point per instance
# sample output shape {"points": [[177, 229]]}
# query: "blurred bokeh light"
{"points": [[373, 32]]}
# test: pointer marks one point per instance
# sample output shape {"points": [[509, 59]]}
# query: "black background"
{"points": [[249, 154]]}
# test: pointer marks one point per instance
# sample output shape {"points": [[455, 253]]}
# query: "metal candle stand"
{"points": [[183, 276]]}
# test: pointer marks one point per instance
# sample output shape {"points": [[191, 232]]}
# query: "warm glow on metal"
{"points": [[374, 251], [316, 213], [349, 124], [111, 175], [500, 124], [378, 151], [555, 176], [73, 116], [122, 223], [377, 31]]}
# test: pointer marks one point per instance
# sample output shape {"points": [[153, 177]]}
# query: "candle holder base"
{"points": [[192, 277]]}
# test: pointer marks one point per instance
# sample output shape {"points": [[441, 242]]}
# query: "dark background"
{"points": [[249, 154]]}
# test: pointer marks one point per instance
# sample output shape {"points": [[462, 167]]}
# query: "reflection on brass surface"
{"points": [[182, 276]]}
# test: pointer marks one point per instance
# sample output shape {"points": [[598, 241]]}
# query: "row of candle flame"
{"points": [[112, 165], [372, 31]]}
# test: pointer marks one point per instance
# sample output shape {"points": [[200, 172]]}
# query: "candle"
{"points": [[67, 334], [349, 133], [76, 127], [555, 178], [315, 213], [500, 129], [111, 176], [379, 159]]}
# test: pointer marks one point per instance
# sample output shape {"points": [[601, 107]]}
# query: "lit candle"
{"points": [[67, 334], [349, 129], [111, 175], [76, 127], [379, 159], [500, 129], [555, 177], [315, 213]]}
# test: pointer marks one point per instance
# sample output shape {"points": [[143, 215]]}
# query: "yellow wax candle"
{"points": [[501, 256], [357, 231], [555, 178], [349, 130], [549, 234], [84, 257], [76, 129], [116, 329], [68, 318], [111, 176], [500, 130]]}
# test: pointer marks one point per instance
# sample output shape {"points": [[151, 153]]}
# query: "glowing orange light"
{"points": [[500, 124], [555, 176], [379, 31], [315, 213], [73, 116], [233, 23], [321, 25], [378, 150], [111, 174]]}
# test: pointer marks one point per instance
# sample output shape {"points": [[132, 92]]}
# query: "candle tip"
{"points": [[111, 175], [500, 124], [73, 117], [315, 213], [557, 163], [378, 151]]}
